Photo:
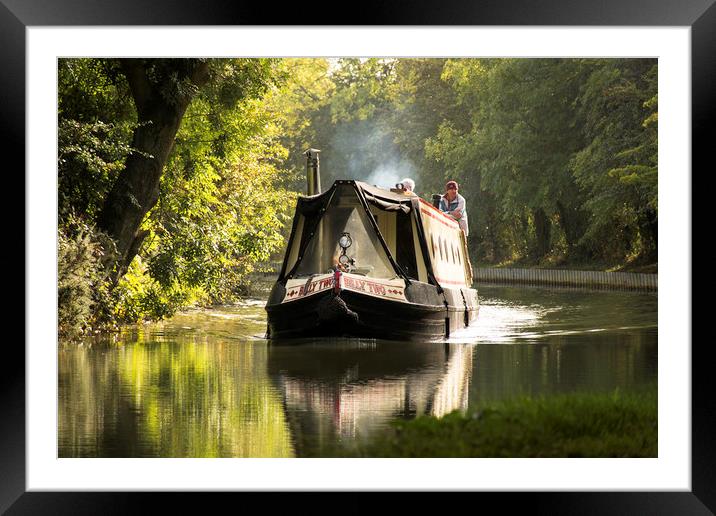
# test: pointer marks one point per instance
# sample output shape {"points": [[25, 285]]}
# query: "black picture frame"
{"points": [[17, 15]]}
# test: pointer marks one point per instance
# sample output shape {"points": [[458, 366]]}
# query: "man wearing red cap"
{"points": [[453, 204]]}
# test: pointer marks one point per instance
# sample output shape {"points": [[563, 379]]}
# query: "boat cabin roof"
{"points": [[412, 239]]}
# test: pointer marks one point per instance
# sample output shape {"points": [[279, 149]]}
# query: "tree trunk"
{"points": [[136, 190], [573, 222], [649, 229], [543, 232]]}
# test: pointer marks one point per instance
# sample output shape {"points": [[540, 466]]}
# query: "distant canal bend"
{"points": [[206, 384]]}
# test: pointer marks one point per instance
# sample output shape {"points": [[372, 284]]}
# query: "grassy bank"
{"points": [[576, 425]]}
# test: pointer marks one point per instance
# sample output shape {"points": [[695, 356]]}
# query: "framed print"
{"points": [[36, 477]]}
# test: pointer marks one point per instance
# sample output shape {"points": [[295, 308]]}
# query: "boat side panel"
{"points": [[444, 240]]}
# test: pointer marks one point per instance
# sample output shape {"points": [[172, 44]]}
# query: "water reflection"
{"points": [[158, 397], [561, 340], [338, 389], [205, 384], [563, 364]]}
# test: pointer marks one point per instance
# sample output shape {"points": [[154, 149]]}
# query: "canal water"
{"points": [[207, 384]]}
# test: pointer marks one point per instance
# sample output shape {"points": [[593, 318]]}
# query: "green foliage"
{"points": [[618, 166], [300, 108], [90, 156], [363, 89], [84, 256], [235, 80], [95, 124], [424, 106], [568, 143], [550, 153], [93, 89], [351, 124], [513, 157], [138, 296], [223, 197], [574, 425], [222, 206]]}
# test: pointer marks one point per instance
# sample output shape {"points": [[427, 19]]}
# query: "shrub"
{"points": [[139, 297], [83, 285]]}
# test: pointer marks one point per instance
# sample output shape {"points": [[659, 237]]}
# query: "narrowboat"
{"points": [[366, 261]]}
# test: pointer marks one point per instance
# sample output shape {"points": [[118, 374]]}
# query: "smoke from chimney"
{"points": [[370, 154]]}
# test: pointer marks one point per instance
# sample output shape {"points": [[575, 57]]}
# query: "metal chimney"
{"points": [[313, 174]]}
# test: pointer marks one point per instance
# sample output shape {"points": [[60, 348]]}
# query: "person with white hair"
{"points": [[408, 186]]}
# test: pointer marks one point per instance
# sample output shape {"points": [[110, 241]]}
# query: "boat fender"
{"points": [[333, 308], [447, 316], [337, 282], [466, 318]]}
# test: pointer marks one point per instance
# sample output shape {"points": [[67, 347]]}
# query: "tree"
{"points": [[96, 118], [423, 101], [162, 89], [301, 108], [352, 125], [617, 167], [223, 202], [173, 166]]}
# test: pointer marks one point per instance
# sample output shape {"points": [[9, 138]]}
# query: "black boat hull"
{"points": [[360, 315]]}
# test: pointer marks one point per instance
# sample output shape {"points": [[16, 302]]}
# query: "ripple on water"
{"points": [[503, 322]]}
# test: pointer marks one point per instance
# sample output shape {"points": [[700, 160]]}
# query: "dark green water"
{"points": [[205, 384]]}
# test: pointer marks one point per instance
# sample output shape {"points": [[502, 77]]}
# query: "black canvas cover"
{"points": [[313, 209], [384, 199]]}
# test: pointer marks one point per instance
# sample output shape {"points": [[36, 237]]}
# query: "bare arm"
{"points": [[457, 212]]}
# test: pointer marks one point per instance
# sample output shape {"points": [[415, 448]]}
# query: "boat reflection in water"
{"points": [[337, 390]]}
